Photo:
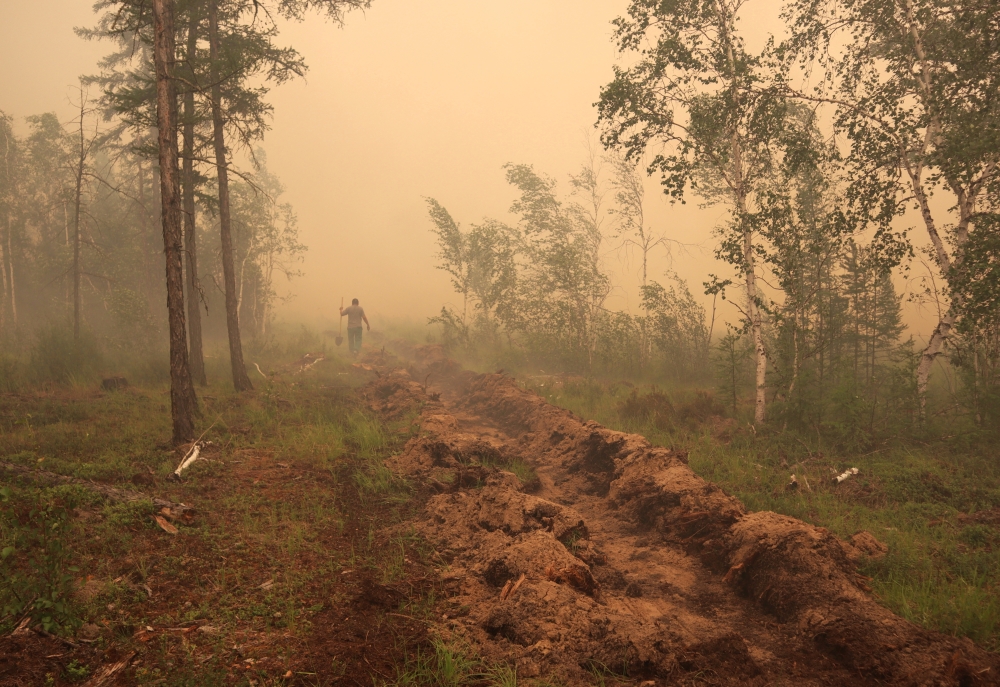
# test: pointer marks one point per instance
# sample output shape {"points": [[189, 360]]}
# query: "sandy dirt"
{"points": [[620, 560]]}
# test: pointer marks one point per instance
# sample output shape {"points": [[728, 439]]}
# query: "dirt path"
{"points": [[620, 561]]}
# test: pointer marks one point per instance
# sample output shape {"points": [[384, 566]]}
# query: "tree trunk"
{"points": [[183, 403], [77, 304], [933, 349], [65, 283], [240, 378], [756, 329], [10, 260], [945, 262], [3, 267], [738, 184], [190, 238]]}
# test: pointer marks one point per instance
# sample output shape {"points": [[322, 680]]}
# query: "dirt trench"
{"points": [[621, 561]]}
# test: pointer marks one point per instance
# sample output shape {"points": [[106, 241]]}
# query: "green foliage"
{"points": [[36, 558], [733, 362], [534, 294], [369, 438], [518, 466], [76, 672], [451, 664]]}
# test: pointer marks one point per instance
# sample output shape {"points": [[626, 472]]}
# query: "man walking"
{"points": [[355, 316]]}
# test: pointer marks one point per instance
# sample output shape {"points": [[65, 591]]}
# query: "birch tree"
{"points": [[699, 103], [633, 231], [916, 87]]}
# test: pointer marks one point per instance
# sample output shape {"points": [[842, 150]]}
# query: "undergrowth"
{"points": [[35, 558]]}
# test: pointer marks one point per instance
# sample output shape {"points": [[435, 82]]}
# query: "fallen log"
{"points": [[170, 509]]}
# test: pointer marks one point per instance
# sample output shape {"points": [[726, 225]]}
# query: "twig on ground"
{"points": [[109, 671], [45, 633], [195, 451]]}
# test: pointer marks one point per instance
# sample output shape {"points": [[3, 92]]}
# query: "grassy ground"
{"points": [[293, 573], [284, 576], [943, 567]]}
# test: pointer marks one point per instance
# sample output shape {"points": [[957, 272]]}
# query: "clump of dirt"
{"points": [[626, 561], [866, 545]]}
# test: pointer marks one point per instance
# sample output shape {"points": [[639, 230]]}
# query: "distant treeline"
{"points": [[81, 248]]}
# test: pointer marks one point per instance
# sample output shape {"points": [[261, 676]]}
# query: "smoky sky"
{"points": [[406, 101]]}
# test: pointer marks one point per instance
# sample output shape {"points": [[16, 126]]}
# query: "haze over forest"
{"points": [[408, 101], [677, 357]]}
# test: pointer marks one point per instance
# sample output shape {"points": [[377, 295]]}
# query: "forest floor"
{"points": [[402, 521]]}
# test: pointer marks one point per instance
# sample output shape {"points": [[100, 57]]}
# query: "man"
{"points": [[355, 316]]}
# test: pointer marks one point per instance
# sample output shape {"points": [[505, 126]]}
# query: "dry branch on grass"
{"points": [[190, 457], [105, 674]]}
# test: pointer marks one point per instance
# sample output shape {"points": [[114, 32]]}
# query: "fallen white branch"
{"points": [[306, 367], [260, 370], [844, 475], [191, 457]]}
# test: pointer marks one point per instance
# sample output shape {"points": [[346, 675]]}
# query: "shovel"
{"points": [[340, 339]]}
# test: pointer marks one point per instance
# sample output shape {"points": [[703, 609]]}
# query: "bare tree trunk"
{"points": [[190, 238], [3, 266], [3, 259], [945, 262], [240, 378], [795, 354], [756, 329], [183, 403], [738, 183], [10, 260], [77, 303], [933, 349]]}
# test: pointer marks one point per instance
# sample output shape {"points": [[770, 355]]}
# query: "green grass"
{"points": [[939, 572], [521, 468], [452, 664], [254, 523], [373, 442]]}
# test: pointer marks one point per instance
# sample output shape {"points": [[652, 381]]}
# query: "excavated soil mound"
{"points": [[625, 562]]}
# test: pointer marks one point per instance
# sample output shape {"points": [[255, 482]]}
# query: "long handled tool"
{"points": [[340, 339]]}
